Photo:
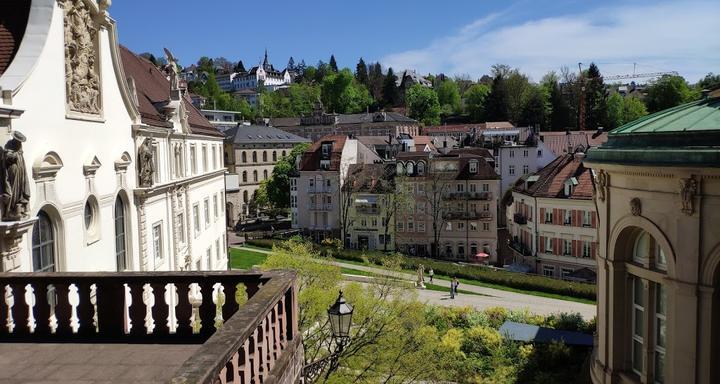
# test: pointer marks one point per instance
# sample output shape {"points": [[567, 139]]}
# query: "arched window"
{"points": [[284, 153], [410, 168], [254, 157], [265, 174], [244, 157], [264, 156], [43, 244], [255, 175], [274, 156], [245, 196], [244, 177], [120, 241], [400, 169], [421, 168]]}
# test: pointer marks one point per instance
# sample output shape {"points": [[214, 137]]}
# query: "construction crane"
{"points": [[639, 75]]}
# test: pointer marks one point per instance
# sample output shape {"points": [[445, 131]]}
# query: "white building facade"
{"points": [[82, 122]]}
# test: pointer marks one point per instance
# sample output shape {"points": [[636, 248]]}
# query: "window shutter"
{"points": [[555, 215], [575, 217], [594, 219], [542, 243], [593, 249], [542, 217]]}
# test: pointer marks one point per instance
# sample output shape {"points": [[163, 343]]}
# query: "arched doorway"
{"points": [[120, 235]]}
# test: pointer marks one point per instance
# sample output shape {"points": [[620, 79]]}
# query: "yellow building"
{"points": [[658, 272]]}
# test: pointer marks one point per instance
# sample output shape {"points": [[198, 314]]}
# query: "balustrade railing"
{"points": [[245, 321]]}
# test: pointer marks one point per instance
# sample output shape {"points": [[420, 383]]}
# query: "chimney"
{"points": [[579, 156]]}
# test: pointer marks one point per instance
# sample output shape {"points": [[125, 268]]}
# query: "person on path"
{"points": [[454, 285], [431, 273], [452, 288]]}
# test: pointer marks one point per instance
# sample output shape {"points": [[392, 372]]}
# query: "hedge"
{"points": [[471, 272]]}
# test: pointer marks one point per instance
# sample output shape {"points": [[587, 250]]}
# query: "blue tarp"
{"points": [[533, 333]]}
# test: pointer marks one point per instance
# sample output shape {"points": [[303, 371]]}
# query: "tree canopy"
{"points": [[448, 94], [423, 105], [276, 189], [667, 92], [341, 93], [475, 98]]}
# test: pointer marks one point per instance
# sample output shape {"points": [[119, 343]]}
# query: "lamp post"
{"points": [[340, 319]]}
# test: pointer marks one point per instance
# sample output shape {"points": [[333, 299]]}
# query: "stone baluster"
{"points": [[85, 309], [277, 343], [63, 308], [207, 308], [137, 310], [183, 310], [19, 310], [42, 309], [160, 311], [255, 356]]}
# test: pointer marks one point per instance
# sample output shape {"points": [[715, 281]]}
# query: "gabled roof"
{"points": [[559, 141], [13, 20], [244, 134], [311, 158], [153, 91], [550, 181], [484, 171]]}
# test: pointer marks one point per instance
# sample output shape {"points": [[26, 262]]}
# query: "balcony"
{"points": [[365, 210], [520, 248], [321, 207], [468, 196], [180, 327], [519, 218]]}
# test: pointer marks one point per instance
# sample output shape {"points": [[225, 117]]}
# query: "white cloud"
{"points": [[660, 37]]}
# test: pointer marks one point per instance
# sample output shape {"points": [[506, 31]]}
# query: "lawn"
{"points": [[245, 259]]}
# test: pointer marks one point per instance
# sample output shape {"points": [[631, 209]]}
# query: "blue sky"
{"points": [[453, 37]]}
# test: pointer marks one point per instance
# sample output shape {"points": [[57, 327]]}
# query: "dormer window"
{"points": [[473, 167], [400, 169], [421, 168], [570, 184], [410, 168], [326, 148]]}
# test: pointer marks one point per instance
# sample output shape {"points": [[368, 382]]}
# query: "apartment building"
{"points": [[251, 152], [450, 212], [552, 220], [315, 192], [372, 205]]}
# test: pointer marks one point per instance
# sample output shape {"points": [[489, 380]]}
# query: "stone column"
{"points": [[11, 235]]}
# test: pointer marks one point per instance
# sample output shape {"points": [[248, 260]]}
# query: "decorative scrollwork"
{"points": [[82, 81]]}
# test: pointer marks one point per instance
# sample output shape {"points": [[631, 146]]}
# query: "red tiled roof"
{"points": [[559, 141], [13, 20], [311, 158], [551, 180], [496, 125], [455, 128], [153, 88]]}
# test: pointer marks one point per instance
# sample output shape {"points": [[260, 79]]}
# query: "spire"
{"points": [[265, 61]]}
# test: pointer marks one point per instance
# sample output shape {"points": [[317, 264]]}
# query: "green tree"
{"points": [[633, 109], [667, 92], [390, 91], [535, 107], [333, 64], [291, 64], [496, 107], [516, 87], [376, 80], [615, 105], [475, 98], [423, 105], [361, 73], [595, 98], [276, 188], [296, 100], [341, 93], [560, 115], [448, 94], [710, 81]]}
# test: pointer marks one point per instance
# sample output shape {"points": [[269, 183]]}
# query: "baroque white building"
{"points": [[122, 172]]}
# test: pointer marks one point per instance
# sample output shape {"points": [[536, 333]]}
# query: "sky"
{"points": [[455, 37]]}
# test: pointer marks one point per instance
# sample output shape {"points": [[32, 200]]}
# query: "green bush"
{"points": [[263, 243]]}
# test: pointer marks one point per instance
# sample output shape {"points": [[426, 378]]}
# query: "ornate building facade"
{"points": [[658, 200], [98, 150]]}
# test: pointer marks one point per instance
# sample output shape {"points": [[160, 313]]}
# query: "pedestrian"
{"points": [[431, 273], [452, 288], [455, 285]]}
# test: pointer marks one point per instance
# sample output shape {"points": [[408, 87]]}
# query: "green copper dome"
{"points": [[686, 135]]}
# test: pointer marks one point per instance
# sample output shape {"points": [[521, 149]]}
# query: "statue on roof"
{"points": [[172, 70]]}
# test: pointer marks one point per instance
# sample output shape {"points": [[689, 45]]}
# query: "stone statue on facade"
{"points": [[635, 206], [688, 189], [146, 164], [602, 182], [82, 82], [172, 70], [15, 187]]}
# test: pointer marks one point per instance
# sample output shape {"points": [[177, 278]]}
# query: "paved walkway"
{"points": [[488, 297]]}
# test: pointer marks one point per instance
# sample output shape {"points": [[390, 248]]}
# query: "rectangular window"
{"points": [[486, 226], [473, 226], [214, 157], [512, 153], [473, 187], [157, 242], [549, 270], [196, 219], [567, 247], [461, 187], [548, 245], [660, 336], [381, 239], [217, 249], [486, 187], [420, 207], [215, 207], [208, 257], [448, 226], [374, 222], [181, 227], [568, 217], [525, 153], [586, 218], [473, 167], [206, 207], [586, 249], [410, 225], [193, 159], [526, 169], [548, 216], [204, 158], [564, 272], [511, 170], [486, 207], [421, 226], [638, 326], [400, 227], [421, 187], [461, 226]]}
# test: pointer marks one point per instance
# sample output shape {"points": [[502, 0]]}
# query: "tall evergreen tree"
{"points": [[333, 64], [496, 107], [291, 64], [361, 73], [391, 93], [240, 67], [301, 69], [595, 99], [560, 116], [376, 79]]}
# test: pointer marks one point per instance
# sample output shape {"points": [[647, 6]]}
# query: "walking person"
{"points": [[431, 273], [455, 285], [452, 288]]}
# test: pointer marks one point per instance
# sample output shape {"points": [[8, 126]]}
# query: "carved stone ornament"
{"points": [[14, 184], [635, 206], [602, 182], [688, 189], [82, 82]]}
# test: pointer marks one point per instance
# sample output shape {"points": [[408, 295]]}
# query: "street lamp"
{"points": [[340, 319], [340, 315]]}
